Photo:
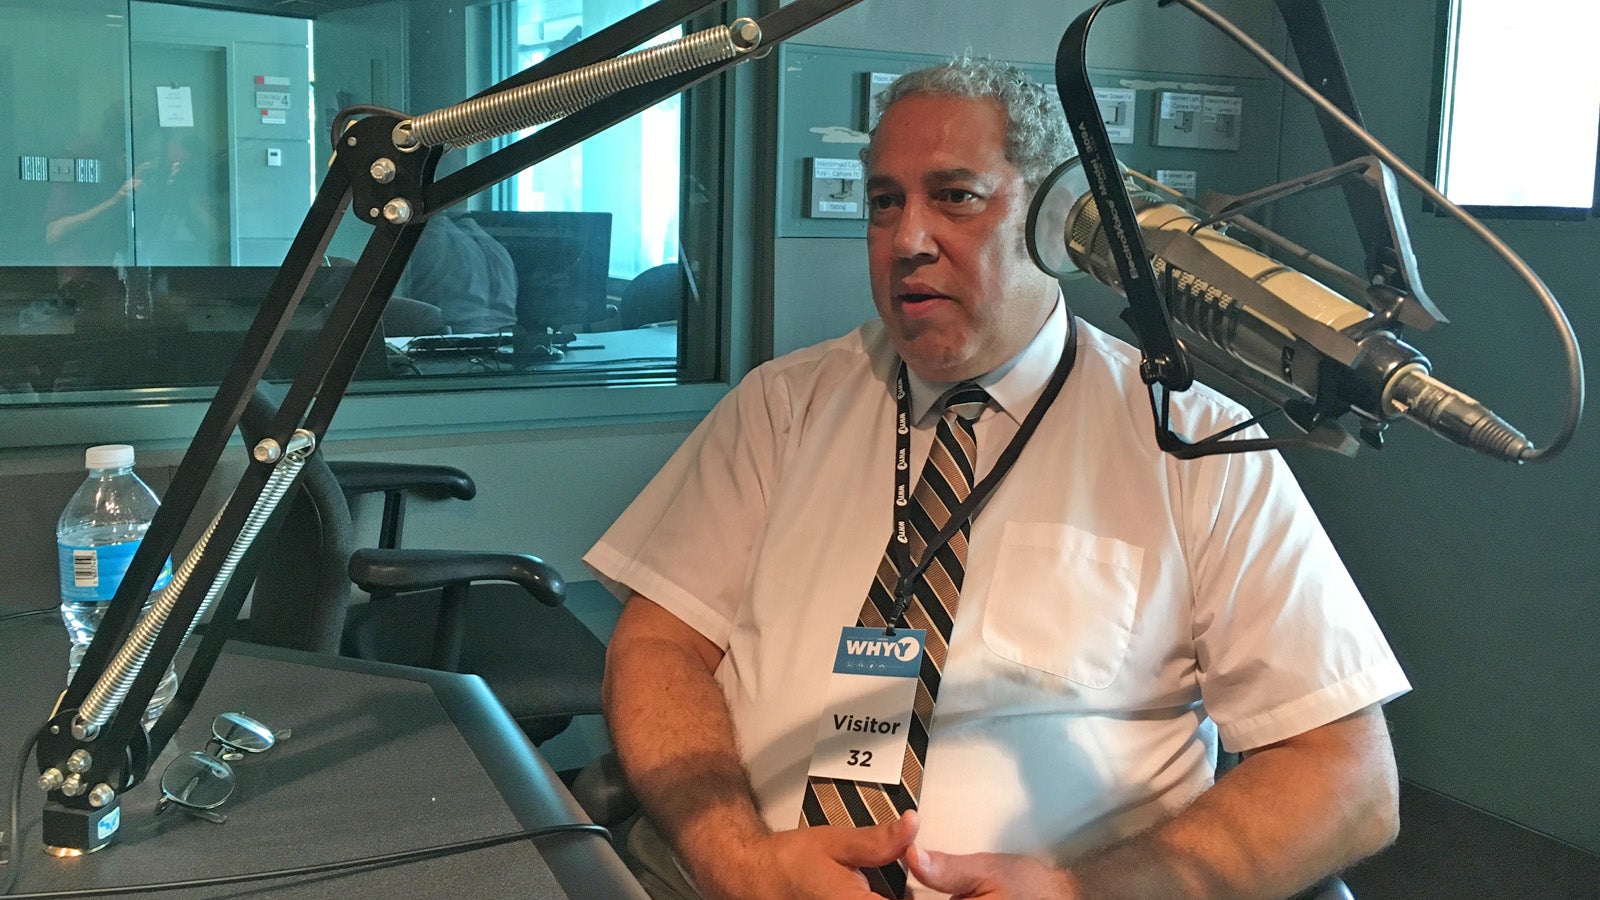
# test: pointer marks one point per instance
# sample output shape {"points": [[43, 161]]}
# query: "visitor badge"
{"points": [[863, 732]]}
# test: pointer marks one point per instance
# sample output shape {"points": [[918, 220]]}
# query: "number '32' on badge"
{"points": [[863, 731]]}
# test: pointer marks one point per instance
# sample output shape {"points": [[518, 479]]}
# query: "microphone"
{"points": [[1304, 338]]}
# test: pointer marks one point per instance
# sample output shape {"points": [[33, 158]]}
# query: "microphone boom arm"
{"points": [[1164, 361], [397, 197]]}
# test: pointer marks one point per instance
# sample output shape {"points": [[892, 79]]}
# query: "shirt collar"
{"points": [[1013, 386]]}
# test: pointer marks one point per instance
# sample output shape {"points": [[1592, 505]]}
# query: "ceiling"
{"points": [[302, 9]]}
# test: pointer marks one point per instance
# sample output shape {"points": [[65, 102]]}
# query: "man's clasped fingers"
{"points": [[988, 876], [825, 861]]}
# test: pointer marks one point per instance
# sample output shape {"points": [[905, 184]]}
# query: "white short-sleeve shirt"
{"points": [[1121, 608]]}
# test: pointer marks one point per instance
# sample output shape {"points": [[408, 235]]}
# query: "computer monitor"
{"points": [[562, 261]]}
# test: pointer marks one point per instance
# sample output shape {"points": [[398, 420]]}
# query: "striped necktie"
{"points": [[946, 481]]}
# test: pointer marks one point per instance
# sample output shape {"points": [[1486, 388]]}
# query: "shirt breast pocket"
{"points": [[1062, 601]]}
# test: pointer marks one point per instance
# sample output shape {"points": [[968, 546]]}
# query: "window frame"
{"points": [[1444, 61], [716, 347]]}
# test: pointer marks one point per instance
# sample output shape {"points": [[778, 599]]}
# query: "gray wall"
{"points": [[64, 76], [548, 491], [1475, 569], [1478, 571], [231, 206], [1130, 36]]}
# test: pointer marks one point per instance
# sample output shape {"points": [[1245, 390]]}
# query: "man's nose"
{"points": [[913, 233]]}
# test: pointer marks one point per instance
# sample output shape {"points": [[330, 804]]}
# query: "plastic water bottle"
{"points": [[95, 541]]}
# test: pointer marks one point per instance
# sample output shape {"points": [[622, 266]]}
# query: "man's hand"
{"points": [[822, 862], [989, 876], [675, 742], [1289, 814]]}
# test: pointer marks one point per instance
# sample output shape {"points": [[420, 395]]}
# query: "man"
{"points": [[464, 271], [1120, 609]]}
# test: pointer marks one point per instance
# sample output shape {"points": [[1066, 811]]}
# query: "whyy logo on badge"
{"points": [[869, 651], [905, 649]]}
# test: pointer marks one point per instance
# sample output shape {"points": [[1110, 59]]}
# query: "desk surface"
{"points": [[649, 348], [382, 759], [195, 343]]}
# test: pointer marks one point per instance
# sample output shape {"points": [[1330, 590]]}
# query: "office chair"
{"points": [[495, 615], [654, 295]]}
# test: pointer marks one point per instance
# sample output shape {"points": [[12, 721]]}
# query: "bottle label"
{"points": [[91, 574]]}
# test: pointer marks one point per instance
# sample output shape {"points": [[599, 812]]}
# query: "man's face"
{"points": [[951, 277]]}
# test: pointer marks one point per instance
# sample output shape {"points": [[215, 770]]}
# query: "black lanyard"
{"points": [[899, 546]]}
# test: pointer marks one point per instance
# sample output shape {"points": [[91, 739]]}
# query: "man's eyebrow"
{"points": [[881, 182], [951, 176], [934, 178]]}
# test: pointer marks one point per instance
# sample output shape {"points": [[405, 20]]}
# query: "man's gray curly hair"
{"points": [[1036, 131]]}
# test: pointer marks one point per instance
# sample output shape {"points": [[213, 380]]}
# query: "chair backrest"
{"points": [[654, 295], [302, 588]]}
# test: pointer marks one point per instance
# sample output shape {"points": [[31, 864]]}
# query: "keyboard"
{"points": [[456, 344]]}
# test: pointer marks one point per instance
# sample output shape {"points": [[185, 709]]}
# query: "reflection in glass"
{"points": [[179, 147]]}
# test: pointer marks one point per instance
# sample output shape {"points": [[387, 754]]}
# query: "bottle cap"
{"points": [[108, 456]]}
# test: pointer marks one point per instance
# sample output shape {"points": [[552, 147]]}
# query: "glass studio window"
{"points": [[167, 153], [1520, 112]]}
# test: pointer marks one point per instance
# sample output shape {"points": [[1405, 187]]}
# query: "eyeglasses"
{"points": [[201, 780]]}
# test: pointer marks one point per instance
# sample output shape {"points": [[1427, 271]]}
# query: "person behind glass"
{"points": [[184, 198], [466, 273], [1121, 610], [87, 226]]}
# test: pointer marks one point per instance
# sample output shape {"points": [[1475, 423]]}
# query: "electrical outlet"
{"points": [[1220, 121]]}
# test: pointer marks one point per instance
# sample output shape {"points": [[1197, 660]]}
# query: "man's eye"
{"points": [[957, 195], [881, 201]]}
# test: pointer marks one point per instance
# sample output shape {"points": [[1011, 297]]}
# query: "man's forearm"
{"points": [[1285, 817], [674, 738]]}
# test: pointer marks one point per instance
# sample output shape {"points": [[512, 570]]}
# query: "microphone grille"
{"points": [[1083, 229]]}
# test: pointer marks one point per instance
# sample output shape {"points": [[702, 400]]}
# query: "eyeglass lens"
{"points": [[198, 781], [240, 733]]}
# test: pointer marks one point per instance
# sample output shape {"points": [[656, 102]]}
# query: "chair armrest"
{"points": [[603, 792], [359, 477], [395, 571]]}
